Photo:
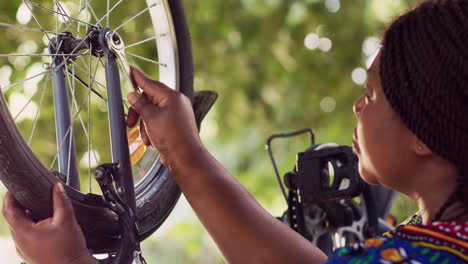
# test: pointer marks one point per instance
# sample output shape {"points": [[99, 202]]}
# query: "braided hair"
{"points": [[424, 73]]}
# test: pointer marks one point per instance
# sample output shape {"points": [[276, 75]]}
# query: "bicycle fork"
{"points": [[101, 42]]}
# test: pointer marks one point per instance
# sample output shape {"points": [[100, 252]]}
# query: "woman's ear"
{"points": [[420, 148]]}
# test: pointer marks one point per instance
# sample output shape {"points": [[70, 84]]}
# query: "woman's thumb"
{"points": [[63, 208]]}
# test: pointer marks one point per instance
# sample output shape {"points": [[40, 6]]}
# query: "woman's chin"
{"points": [[367, 176]]}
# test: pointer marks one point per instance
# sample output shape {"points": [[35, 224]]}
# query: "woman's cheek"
{"points": [[366, 175]]}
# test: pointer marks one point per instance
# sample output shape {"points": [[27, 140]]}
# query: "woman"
{"points": [[411, 136]]}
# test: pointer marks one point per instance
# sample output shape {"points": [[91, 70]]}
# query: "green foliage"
{"points": [[251, 52]]}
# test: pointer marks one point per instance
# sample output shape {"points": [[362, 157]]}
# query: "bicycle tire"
{"points": [[31, 183]]}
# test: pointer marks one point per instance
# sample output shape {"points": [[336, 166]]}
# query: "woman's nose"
{"points": [[357, 106]]}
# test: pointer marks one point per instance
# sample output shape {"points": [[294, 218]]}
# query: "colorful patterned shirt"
{"points": [[411, 242]]}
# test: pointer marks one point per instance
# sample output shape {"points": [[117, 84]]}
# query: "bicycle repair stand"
{"points": [[323, 176], [309, 183]]}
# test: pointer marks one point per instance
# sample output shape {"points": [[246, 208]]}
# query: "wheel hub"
{"points": [[67, 44]]}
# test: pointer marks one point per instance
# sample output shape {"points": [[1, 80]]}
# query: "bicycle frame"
{"points": [[64, 130], [118, 132]]}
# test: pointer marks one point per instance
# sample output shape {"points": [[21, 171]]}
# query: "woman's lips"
{"points": [[356, 147]]}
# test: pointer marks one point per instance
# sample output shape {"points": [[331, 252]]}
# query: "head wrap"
{"points": [[424, 75]]}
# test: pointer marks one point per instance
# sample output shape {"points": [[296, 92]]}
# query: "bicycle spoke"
{"points": [[70, 23], [69, 154], [87, 86], [53, 69], [135, 16], [37, 21], [143, 41], [59, 13], [102, 63], [30, 29], [63, 15], [89, 9], [37, 75], [146, 59], [78, 15], [57, 26], [87, 72], [93, 13], [134, 63], [43, 55], [30, 99], [59, 6], [82, 8], [110, 11], [38, 111], [71, 88], [125, 102], [89, 129], [74, 103], [107, 11], [100, 94], [92, 80], [66, 18], [67, 132], [58, 147], [25, 80]]}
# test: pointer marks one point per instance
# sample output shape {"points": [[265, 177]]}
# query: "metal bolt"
{"points": [[116, 38], [121, 190], [99, 174]]}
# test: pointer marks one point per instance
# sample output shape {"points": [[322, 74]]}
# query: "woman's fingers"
{"points": [[140, 104], [144, 134], [15, 214], [155, 90], [63, 208], [132, 117]]}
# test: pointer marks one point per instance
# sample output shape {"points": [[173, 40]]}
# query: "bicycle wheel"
{"points": [[162, 49]]}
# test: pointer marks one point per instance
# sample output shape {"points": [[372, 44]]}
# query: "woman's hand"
{"points": [[58, 239], [168, 122]]}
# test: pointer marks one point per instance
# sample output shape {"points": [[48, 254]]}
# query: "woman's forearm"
{"points": [[242, 229], [85, 259]]}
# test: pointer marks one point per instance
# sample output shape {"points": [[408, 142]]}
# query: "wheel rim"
{"points": [[166, 68]]}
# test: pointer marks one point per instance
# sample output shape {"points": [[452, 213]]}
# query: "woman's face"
{"points": [[381, 140]]}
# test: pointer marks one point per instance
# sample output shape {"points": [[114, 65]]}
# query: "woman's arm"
{"points": [[242, 229]]}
